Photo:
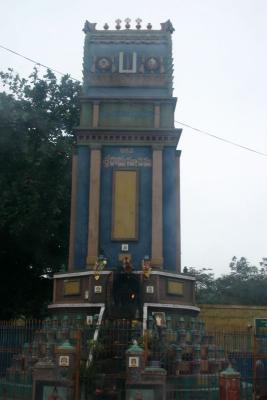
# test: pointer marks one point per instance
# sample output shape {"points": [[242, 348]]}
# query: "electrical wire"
{"points": [[178, 122], [38, 63], [222, 139]]}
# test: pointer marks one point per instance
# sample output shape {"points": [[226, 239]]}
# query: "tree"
{"points": [[205, 284], [242, 269], [245, 284], [37, 116]]}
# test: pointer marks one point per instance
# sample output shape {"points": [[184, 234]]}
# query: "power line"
{"points": [[222, 139], [178, 122], [36, 62]]}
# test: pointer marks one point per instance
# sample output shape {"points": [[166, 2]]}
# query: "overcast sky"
{"points": [[220, 59]]}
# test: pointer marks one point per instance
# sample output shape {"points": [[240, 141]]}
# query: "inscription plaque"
{"points": [[72, 287], [175, 288]]}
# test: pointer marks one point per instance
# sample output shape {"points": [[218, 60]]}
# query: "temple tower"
{"points": [[125, 212]]}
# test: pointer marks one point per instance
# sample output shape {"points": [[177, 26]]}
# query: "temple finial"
{"points": [[127, 23], [118, 24], [138, 23]]}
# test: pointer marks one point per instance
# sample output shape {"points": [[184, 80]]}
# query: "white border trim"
{"points": [[83, 273], [160, 273], [173, 275], [75, 305]]}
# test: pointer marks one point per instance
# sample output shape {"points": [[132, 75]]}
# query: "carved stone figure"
{"points": [[89, 27], [167, 26]]}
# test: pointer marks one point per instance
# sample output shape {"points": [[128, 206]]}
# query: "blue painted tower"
{"points": [[127, 124], [125, 213]]}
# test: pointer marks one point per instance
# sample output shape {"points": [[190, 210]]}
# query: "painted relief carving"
{"points": [[126, 160], [103, 63], [146, 266], [100, 264], [121, 162], [128, 63], [152, 64]]}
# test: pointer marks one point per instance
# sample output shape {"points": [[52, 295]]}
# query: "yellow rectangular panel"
{"points": [[71, 287], [176, 288], [125, 201]]}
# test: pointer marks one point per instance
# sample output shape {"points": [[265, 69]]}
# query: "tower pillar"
{"points": [[178, 216], [94, 197], [73, 211], [157, 219]]}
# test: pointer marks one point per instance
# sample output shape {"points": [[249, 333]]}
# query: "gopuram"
{"points": [[125, 243]]}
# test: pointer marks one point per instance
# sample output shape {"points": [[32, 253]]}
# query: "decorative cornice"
{"points": [[130, 36], [154, 100], [131, 40], [166, 27], [129, 131], [132, 137]]}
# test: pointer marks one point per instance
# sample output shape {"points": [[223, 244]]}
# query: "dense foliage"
{"points": [[246, 284], [37, 116]]}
